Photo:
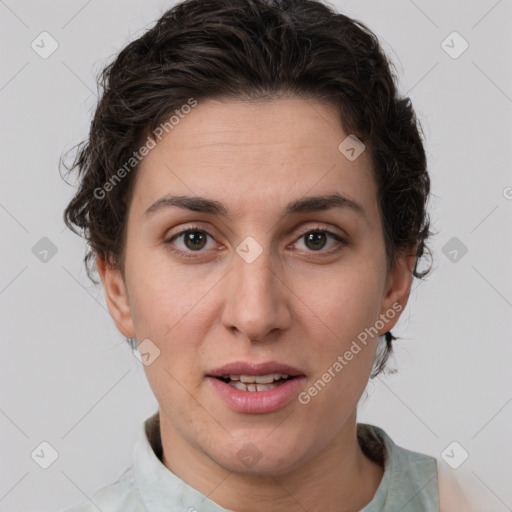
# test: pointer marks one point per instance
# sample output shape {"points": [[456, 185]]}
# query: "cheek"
{"points": [[344, 304], [338, 313], [160, 295], [175, 311]]}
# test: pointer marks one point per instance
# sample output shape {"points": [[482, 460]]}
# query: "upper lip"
{"points": [[250, 368]]}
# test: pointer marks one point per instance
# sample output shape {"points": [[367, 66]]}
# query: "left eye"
{"points": [[195, 240], [316, 239]]}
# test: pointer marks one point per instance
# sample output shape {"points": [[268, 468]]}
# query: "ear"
{"points": [[398, 287], [116, 296]]}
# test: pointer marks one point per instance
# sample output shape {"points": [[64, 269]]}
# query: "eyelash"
{"points": [[197, 229]]}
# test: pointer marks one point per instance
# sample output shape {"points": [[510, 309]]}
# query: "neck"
{"points": [[339, 478]]}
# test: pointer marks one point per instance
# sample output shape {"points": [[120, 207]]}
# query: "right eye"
{"points": [[193, 238]]}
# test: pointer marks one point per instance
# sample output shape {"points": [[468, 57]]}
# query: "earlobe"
{"points": [[116, 296], [398, 288]]}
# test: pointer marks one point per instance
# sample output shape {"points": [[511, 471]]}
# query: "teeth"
{"points": [[239, 386], [254, 383], [259, 379], [253, 387]]}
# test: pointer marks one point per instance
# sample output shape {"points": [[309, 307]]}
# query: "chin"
{"points": [[260, 457]]}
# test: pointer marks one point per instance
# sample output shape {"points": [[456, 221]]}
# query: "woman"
{"points": [[254, 194]]}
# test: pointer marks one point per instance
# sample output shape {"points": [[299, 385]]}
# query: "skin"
{"points": [[298, 303]]}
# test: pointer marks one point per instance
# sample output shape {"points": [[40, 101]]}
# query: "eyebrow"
{"points": [[307, 204]]}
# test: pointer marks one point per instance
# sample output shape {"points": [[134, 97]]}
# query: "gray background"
{"points": [[67, 375]]}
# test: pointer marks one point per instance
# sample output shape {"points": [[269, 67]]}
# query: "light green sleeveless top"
{"points": [[409, 483]]}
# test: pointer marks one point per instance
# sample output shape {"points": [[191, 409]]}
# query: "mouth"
{"points": [[256, 383], [248, 387], [269, 373]]}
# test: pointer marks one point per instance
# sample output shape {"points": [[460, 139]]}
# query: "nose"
{"points": [[257, 298]]}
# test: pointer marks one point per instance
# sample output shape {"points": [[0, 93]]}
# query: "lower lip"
{"points": [[257, 401]]}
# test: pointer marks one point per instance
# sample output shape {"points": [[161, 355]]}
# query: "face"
{"points": [[253, 279]]}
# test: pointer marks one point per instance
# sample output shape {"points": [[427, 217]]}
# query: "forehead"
{"points": [[253, 153], [278, 125]]}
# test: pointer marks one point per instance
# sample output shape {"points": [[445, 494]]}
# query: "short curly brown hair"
{"points": [[251, 49]]}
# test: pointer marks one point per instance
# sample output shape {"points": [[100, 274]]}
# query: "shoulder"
{"points": [[449, 489], [120, 496], [457, 490]]}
